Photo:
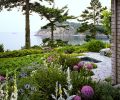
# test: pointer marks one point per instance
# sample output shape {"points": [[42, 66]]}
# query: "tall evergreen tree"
{"points": [[91, 17], [53, 15], [8, 4]]}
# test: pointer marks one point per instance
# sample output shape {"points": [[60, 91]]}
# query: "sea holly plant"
{"points": [[2, 85]]}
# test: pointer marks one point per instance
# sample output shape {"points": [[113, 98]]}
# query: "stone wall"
{"points": [[115, 24]]}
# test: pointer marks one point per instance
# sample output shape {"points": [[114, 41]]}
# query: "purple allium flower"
{"points": [[89, 66], [27, 86], [81, 64], [2, 78], [75, 67], [77, 98], [87, 91]]}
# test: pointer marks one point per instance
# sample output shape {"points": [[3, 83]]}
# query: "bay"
{"points": [[16, 40]]}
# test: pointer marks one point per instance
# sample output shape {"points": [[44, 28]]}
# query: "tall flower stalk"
{"points": [[6, 86], [14, 94], [69, 79]]}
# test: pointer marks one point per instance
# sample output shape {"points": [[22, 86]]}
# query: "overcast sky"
{"points": [[14, 21]]}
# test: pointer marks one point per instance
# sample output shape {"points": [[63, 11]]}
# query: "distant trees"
{"points": [[106, 21], [91, 17], [53, 15]]}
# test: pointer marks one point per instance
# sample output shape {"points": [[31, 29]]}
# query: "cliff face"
{"points": [[59, 31], [68, 32]]}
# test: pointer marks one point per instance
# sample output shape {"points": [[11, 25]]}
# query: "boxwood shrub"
{"points": [[19, 53], [95, 45]]}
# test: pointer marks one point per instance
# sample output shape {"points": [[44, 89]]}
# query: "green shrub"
{"points": [[80, 49], [18, 62], [95, 45], [71, 49], [105, 91], [1, 48], [19, 53], [68, 61], [88, 38], [44, 80], [78, 80], [35, 47], [54, 43]]}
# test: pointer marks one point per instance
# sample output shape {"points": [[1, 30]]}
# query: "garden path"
{"points": [[104, 68]]}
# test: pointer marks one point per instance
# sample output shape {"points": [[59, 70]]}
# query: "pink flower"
{"points": [[87, 91], [49, 59], [77, 98], [81, 64], [75, 67], [89, 66], [2, 78]]}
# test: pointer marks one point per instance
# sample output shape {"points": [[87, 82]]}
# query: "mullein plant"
{"points": [[2, 91], [59, 91], [6, 86], [14, 94]]}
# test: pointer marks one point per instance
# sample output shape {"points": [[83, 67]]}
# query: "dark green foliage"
{"points": [[55, 43], [36, 47], [19, 53], [69, 50], [88, 38], [68, 61], [61, 43], [46, 40], [1, 48], [79, 80], [95, 45], [105, 91]]}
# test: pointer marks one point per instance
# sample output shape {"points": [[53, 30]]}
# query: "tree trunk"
{"points": [[52, 35], [94, 26], [27, 29]]}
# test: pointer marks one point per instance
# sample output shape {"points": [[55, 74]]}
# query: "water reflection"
{"points": [[14, 41]]}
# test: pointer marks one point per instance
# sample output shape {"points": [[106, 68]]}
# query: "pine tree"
{"points": [[26, 6], [53, 15], [91, 17]]}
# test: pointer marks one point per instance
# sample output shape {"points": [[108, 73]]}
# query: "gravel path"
{"points": [[103, 69]]}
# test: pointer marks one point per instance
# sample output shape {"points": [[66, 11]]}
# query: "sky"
{"points": [[14, 21]]}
